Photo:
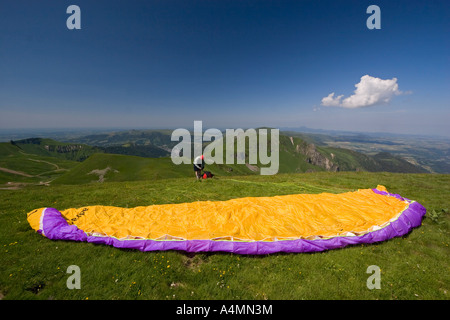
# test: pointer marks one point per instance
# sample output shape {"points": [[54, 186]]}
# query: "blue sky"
{"points": [[232, 64]]}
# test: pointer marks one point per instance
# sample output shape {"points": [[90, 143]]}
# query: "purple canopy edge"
{"points": [[55, 227]]}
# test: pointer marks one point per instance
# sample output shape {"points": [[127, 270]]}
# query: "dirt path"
{"points": [[20, 173], [20, 185], [52, 164]]}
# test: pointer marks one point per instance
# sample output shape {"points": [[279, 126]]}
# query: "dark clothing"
{"points": [[202, 166]]}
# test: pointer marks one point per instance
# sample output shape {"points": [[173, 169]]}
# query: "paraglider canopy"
{"points": [[250, 225]]}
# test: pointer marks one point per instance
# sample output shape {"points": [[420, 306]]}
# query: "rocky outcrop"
{"points": [[315, 157], [63, 149]]}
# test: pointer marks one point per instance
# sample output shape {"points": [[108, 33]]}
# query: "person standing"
{"points": [[199, 165]]}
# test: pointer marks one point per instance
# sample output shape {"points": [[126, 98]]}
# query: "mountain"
{"points": [[157, 138], [298, 152], [35, 166], [430, 153], [133, 149], [81, 151], [144, 156], [57, 149], [339, 159], [391, 163]]}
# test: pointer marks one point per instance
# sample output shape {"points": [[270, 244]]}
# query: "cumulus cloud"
{"points": [[369, 91]]}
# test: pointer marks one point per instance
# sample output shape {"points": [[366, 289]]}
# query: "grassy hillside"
{"points": [[132, 168], [134, 149], [80, 151], [429, 153], [52, 148], [392, 163], [297, 153], [121, 168], [17, 166], [38, 160], [349, 160], [291, 157], [340, 159], [413, 267], [138, 137]]}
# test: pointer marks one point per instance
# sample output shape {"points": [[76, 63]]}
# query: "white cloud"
{"points": [[331, 101], [369, 91]]}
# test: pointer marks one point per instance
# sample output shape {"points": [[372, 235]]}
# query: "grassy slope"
{"points": [[32, 157], [412, 267], [40, 167], [51, 148], [123, 168], [133, 168]]}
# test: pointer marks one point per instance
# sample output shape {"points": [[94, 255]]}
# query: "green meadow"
{"points": [[413, 267]]}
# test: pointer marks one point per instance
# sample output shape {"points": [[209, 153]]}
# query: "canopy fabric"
{"points": [[251, 225]]}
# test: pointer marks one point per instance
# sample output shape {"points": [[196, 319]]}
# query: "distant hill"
{"points": [[52, 148], [81, 151], [145, 156], [132, 149], [102, 167], [338, 159], [20, 167], [391, 163], [157, 138], [430, 153], [298, 153]]}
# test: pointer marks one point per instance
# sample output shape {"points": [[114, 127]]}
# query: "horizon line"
{"points": [[281, 128]]}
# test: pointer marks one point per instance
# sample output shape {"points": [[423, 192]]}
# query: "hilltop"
{"points": [[413, 267], [133, 181], [19, 167], [51, 148]]}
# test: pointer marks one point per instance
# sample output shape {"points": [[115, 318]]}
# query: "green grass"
{"points": [[51, 148], [415, 266], [412, 267], [34, 168], [123, 168], [134, 168]]}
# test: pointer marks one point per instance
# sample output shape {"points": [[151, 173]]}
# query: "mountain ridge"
{"points": [[140, 155]]}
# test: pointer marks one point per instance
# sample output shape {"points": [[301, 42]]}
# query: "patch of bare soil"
{"points": [[101, 173], [20, 173], [252, 167]]}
